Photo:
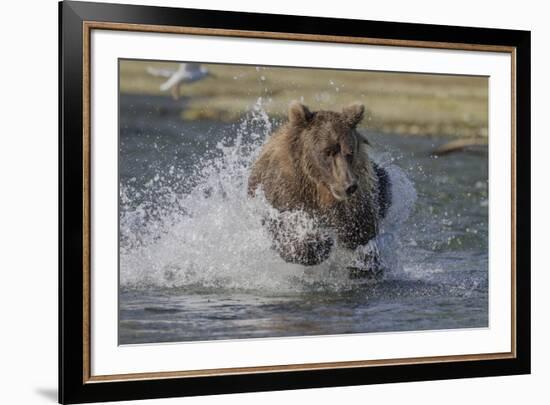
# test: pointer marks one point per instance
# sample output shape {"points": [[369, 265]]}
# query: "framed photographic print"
{"points": [[254, 202]]}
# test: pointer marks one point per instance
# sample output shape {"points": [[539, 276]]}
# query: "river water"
{"points": [[196, 264]]}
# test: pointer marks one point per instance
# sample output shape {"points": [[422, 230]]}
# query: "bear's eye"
{"points": [[332, 150]]}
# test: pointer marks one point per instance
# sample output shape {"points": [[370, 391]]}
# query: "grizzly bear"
{"points": [[317, 165]]}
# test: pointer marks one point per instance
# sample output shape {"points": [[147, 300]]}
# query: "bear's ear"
{"points": [[353, 114], [298, 114]]}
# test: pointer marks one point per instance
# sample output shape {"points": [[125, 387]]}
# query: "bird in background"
{"points": [[186, 73]]}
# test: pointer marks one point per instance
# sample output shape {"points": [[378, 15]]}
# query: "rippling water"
{"points": [[196, 264]]}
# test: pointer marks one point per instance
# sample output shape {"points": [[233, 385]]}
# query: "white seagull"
{"points": [[186, 73]]}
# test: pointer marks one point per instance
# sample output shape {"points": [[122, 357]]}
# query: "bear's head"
{"points": [[329, 146]]}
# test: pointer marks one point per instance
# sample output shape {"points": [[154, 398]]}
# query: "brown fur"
{"points": [[308, 165]]}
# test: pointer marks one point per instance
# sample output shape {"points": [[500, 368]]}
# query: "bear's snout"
{"points": [[344, 182]]}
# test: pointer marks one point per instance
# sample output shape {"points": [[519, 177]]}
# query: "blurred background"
{"points": [[401, 103]]}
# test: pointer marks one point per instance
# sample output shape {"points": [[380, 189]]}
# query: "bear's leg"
{"points": [[308, 249], [369, 264]]}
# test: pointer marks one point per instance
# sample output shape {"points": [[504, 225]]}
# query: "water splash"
{"points": [[199, 230]]}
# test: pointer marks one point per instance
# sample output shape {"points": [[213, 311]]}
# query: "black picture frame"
{"points": [[73, 384]]}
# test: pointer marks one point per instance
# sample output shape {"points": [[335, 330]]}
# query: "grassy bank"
{"points": [[395, 102]]}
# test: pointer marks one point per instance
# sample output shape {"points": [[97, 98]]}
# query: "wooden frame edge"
{"points": [[292, 36], [514, 203], [296, 367], [86, 202], [86, 105]]}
